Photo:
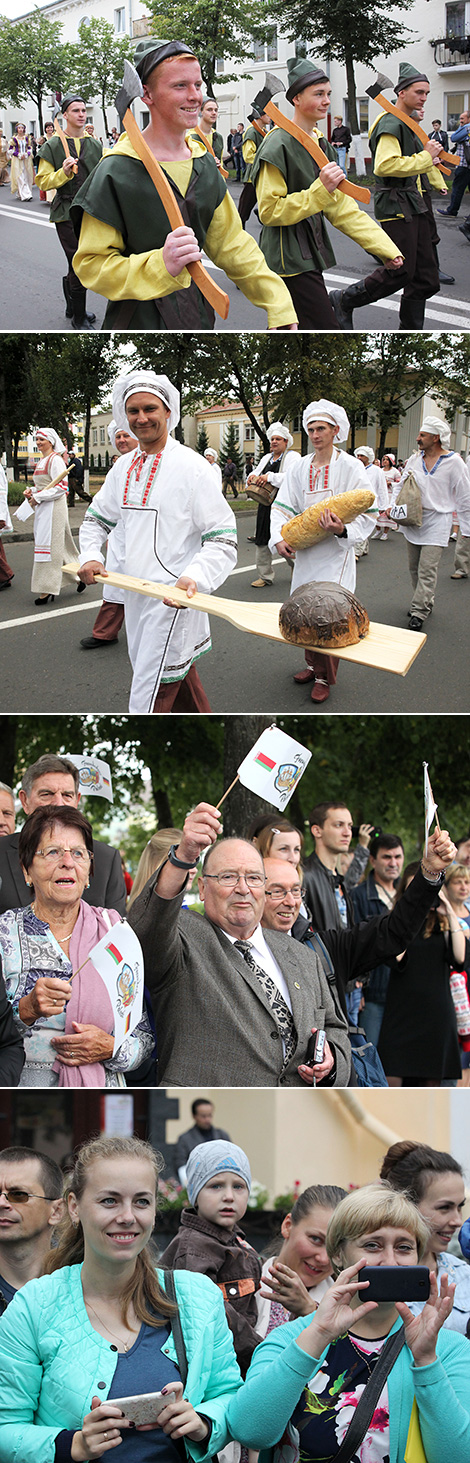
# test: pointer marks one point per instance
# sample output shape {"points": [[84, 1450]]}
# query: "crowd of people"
{"points": [[372, 954], [194, 543], [114, 227], [216, 1345]]}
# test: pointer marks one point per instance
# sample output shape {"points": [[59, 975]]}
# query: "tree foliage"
{"points": [[33, 60], [373, 762], [96, 63], [346, 33], [217, 32]]}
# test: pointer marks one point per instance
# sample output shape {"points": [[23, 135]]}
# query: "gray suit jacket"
{"points": [[214, 1022], [107, 887]]}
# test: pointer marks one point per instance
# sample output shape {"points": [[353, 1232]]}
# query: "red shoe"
{"points": [[306, 675], [320, 691]]}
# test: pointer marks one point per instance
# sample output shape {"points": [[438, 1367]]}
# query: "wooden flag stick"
{"points": [[229, 789]]}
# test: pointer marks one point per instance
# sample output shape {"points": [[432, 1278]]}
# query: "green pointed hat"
{"points": [[149, 52], [302, 73], [407, 76]]}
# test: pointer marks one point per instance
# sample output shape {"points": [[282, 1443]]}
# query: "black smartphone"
{"points": [[315, 1048], [395, 1282]]}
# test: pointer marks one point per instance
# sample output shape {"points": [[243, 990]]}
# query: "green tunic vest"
{"points": [[305, 246], [397, 197], [122, 194], [216, 141], [53, 152], [251, 135]]}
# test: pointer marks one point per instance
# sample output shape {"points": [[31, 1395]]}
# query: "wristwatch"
{"points": [[177, 862]]}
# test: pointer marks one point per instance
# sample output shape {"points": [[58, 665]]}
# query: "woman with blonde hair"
{"points": [[105, 1324], [53, 542], [434, 1182], [153, 856], [347, 1382]]}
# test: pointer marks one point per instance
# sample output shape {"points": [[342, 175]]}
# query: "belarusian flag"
{"points": [[119, 961], [274, 766]]}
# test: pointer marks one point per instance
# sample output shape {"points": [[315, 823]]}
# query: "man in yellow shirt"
{"points": [[127, 251], [295, 195], [405, 172], [66, 175]]}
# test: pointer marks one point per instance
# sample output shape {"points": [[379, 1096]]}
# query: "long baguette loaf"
{"points": [[304, 530]]}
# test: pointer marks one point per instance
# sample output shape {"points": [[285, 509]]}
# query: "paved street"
{"points": [[44, 669], [33, 264]]}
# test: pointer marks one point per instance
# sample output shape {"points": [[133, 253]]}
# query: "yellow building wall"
{"points": [[315, 1137]]}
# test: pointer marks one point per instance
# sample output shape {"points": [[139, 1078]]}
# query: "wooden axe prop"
{"points": [[263, 103], [209, 148], [61, 134], [376, 93], [130, 89]]}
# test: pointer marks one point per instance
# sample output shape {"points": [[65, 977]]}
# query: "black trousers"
{"points": [[417, 240], [69, 241], [246, 202], [311, 301]]}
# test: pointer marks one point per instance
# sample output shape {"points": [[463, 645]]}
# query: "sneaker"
{"points": [[260, 583], [459, 574]]}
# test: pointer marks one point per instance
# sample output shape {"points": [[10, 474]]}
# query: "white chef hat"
{"points": [[438, 427], [327, 411], [210, 451], [52, 437], [112, 429], [365, 452], [160, 386], [277, 429]]}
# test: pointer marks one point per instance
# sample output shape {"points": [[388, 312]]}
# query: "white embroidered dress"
{"points": [[53, 541]]}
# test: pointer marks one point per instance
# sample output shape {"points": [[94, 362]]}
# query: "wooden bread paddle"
{"points": [[384, 648], [132, 88]]}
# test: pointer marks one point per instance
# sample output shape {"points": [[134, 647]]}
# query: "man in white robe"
{"points": [[271, 472], [314, 479], [378, 482], [178, 530], [444, 484]]}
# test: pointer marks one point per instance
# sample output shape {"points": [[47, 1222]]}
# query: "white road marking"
{"points": [[29, 218], [51, 615], [392, 302]]}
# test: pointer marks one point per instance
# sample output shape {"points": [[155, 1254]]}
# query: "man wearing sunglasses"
{"points": [[235, 1005], [31, 1205]]}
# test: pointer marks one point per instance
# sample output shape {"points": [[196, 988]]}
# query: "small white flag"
{"points": [[430, 807], [94, 776], [274, 766], [119, 961]]}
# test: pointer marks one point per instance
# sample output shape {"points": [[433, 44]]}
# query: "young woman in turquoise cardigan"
{"points": [[306, 1379], [100, 1326]]}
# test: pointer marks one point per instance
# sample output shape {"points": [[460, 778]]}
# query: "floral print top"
{"points": [[328, 1403]]}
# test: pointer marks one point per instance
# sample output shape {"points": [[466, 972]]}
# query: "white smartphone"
{"points": [[144, 1408]]}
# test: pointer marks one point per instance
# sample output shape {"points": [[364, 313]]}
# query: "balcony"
{"points": [[451, 51], [140, 27]]}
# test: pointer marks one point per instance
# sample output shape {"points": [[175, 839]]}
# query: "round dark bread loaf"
{"points": [[323, 614]]}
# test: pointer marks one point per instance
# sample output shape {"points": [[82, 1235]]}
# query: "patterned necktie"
{"points": [[282, 1016]]}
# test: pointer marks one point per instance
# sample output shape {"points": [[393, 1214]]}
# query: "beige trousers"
{"points": [[423, 562], [462, 554]]}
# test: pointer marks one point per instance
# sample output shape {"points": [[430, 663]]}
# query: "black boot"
{"points": [[465, 229], [68, 297], [412, 314], [345, 301]]}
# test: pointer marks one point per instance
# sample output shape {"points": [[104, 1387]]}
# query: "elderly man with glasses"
{"points": [[235, 1003], [31, 1205]]}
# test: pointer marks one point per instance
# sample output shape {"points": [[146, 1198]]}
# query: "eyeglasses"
{"points": [[230, 881], [21, 1196], [282, 893], [54, 855]]}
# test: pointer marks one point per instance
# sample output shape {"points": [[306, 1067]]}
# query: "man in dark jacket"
{"points": [[55, 781], [203, 1131], [326, 897], [373, 897]]}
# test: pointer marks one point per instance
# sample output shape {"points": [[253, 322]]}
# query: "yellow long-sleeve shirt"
{"points": [[249, 151], [47, 178], [390, 163], [277, 206]]}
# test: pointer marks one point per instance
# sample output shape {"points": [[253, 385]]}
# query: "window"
{"points": [[249, 434], [266, 50], [455, 19], [102, 437], [296, 426], [94, 435], [363, 113], [120, 21], [454, 105], [219, 66]]}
